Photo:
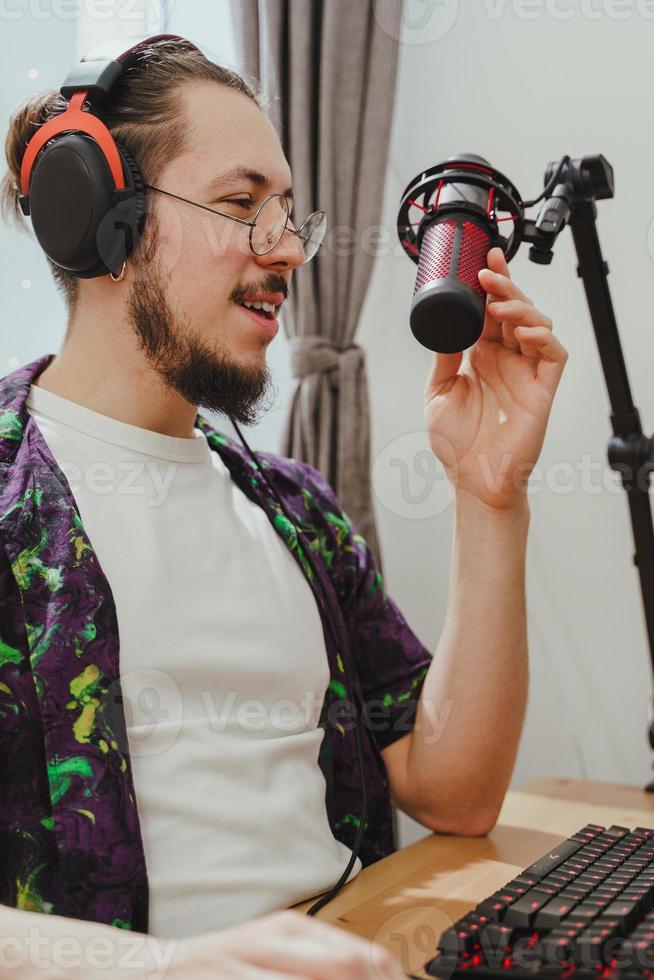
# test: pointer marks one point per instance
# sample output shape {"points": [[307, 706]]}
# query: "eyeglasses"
{"points": [[269, 224]]}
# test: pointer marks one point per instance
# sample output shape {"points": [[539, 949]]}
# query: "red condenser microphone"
{"points": [[448, 221]]}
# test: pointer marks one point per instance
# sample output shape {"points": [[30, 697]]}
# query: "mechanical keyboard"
{"points": [[586, 909]]}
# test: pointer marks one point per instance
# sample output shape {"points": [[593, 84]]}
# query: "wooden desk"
{"points": [[405, 901]]}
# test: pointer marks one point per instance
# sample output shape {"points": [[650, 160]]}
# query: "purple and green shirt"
{"points": [[70, 839]]}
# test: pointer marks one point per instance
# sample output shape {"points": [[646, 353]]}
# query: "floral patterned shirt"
{"points": [[70, 840]]}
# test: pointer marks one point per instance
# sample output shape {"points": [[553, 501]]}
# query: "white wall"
{"points": [[35, 54], [121, 22]]}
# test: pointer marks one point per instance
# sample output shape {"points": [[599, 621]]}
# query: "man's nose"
{"points": [[288, 252]]}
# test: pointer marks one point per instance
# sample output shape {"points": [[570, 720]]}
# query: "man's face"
{"points": [[184, 301]]}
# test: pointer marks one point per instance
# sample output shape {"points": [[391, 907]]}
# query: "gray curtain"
{"points": [[326, 69]]}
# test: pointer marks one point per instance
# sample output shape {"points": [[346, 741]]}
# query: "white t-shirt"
{"points": [[223, 668]]}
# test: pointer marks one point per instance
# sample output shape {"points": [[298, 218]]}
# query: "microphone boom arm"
{"points": [[630, 452]]}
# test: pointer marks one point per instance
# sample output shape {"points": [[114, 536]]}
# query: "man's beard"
{"points": [[202, 374]]}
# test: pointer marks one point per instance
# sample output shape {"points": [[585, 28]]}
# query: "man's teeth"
{"points": [[268, 307]]}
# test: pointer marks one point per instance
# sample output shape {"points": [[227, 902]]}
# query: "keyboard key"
{"points": [[588, 949], [550, 890], [606, 865], [586, 911], [557, 950], [625, 912], [607, 927], [517, 887], [456, 941], [573, 895], [525, 879], [508, 895], [552, 860], [552, 914], [442, 966], [472, 924], [599, 902], [616, 832], [523, 912], [494, 908], [495, 940], [590, 831], [555, 878], [607, 891], [590, 878], [573, 925]]}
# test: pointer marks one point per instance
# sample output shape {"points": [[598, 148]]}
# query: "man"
{"points": [[130, 527]]}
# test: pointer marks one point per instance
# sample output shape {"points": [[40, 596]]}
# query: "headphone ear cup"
{"points": [[82, 223], [70, 192]]}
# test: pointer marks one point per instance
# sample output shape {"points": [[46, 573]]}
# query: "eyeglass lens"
{"points": [[273, 218], [270, 224], [312, 233]]}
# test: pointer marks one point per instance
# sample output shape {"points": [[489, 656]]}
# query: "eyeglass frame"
{"points": [[251, 224]]}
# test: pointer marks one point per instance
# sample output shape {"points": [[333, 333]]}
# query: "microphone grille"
{"points": [[467, 241], [436, 252], [472, 256]]}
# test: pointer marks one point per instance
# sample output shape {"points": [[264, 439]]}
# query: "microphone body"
{"points": [[447, 310], [457, 228]]}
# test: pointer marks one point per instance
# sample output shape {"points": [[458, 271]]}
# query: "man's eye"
{"points": [[242, 202]]}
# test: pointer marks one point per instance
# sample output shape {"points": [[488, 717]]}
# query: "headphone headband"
{"points": [[97, 77], [86, 79], [85, 193]]}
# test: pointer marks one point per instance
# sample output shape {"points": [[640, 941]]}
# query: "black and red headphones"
{"points": [[81, 188]]}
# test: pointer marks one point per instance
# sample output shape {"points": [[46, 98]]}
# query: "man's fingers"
{"points": [[520, 312], [496, 329], [497, 261], [501, 286], [339, 957], [444, 371], [303, 946], [547, 352], [540, 342]]}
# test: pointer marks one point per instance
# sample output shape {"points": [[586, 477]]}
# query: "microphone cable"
{"points": [[551, 184], [336, 623]]}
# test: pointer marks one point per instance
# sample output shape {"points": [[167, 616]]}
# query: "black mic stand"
{"points": [[630, 452]]}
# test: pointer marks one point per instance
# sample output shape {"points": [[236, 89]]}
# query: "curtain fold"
{"points": [[327, 71]]}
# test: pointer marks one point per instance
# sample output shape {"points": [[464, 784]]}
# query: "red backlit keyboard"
{"points": [[585, 909]]}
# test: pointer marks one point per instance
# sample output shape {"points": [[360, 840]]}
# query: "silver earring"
{"points": [[120, 276]]}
